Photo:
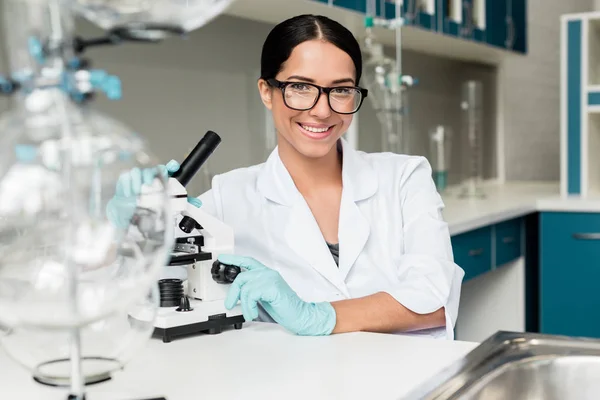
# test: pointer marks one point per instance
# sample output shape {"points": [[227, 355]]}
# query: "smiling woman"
{"points": [[316, 64], [333, 239]]}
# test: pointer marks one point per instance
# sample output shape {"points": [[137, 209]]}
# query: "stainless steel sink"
{"points": [[520, 366]]}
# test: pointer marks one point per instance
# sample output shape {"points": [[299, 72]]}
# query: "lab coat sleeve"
{"points": [[428, 277]]}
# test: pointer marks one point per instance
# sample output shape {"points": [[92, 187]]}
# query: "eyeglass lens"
{"points": [[303, 96]]}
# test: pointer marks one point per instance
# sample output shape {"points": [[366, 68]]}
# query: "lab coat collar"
{"points": [[358, 177], [302, 232]]}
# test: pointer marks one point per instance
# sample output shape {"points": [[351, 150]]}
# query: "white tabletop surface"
{"points": [[262, 361], [510, 200]]}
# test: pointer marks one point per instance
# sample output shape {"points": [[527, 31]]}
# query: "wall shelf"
{"points": [[413, 37]]}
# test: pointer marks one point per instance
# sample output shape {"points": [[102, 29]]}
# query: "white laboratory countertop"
{"points": [[262, 361], [509, 200]]}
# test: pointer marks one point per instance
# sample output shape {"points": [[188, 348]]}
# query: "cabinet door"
{"points": [[508, 241], [353, 5], [421, 13], [473, 252], [518, 25], [475, 20], [360, 6], [570, 274], [496, 21]]}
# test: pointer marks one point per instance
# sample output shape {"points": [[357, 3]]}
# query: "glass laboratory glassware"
{"points": [[440, 141], [106, 345], [472, 136], [150, 19], [63, 261], [379, 77]]}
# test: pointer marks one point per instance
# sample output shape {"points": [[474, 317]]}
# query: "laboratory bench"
{"points": [[529, 255], [262, 361], [552, 245]]}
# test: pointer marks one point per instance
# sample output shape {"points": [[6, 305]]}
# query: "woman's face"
{"points": [[312, 133]]}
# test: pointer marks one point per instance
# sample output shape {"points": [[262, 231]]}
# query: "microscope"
{"points": [[199, 239]]}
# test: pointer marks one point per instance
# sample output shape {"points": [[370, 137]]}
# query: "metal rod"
{"points": [[400, 136], [58, 36]]}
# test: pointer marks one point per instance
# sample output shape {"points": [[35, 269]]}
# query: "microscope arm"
{"points": [[218, 236]]}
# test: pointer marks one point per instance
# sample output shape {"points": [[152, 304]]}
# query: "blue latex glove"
{"points": [[261, 284], [122, 206]]}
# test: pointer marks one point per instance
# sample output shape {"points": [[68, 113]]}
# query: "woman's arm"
{"points": [[380, 312], [428, 288]]}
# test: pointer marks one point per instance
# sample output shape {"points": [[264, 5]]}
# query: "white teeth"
{"points": [[315, 130]]}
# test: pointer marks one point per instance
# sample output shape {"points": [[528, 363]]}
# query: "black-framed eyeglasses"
{"points": [[302, 96]]}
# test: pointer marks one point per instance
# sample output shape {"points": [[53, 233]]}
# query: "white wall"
{"points": [[532, 94], [175, 91]]}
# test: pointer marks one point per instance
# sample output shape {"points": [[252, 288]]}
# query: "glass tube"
{"points": [[472, 133], [440, 141], [405, 138]]}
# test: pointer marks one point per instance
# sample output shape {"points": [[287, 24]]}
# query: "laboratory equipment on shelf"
{"points": [[472, 137], [78, 293], [440, 141], [389, 89], [200, 238], [149, 19]]}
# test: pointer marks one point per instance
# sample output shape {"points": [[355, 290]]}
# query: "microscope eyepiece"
{"points": [[192, 163]]}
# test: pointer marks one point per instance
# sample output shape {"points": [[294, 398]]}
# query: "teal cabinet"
{"points": [[570, 274], [508, 241], [359, 6], [498, 23], [518, 22], [449, 11], [506, 24], [415, 13], [482, 250], [353, 5], [473, 251]]}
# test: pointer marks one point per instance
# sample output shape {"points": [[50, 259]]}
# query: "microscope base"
{"points": [[205, 317]]}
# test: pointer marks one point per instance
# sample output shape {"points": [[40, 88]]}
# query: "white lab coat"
{"points": [[392, 237]]}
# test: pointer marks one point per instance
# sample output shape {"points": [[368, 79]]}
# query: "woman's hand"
{"points": [[122, 205], [262, 284]]}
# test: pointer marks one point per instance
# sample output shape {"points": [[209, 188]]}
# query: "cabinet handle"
{"points": [[511, 33], [475, 252], [508, 240], [586, 236]]}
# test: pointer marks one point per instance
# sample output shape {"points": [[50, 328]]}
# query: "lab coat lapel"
{"points": [[303, 235], [301, 230], [360, 183]]}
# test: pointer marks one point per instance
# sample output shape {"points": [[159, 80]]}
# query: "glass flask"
{"points": [[440, 140], [140, 17], [472, 136], [106, 345], [73, 249]]}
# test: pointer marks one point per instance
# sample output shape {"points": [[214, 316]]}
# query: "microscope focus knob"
{"points": [[223, 273], [188, 224]]}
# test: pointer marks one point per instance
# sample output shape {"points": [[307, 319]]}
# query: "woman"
{"points": [[332, 239]]}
